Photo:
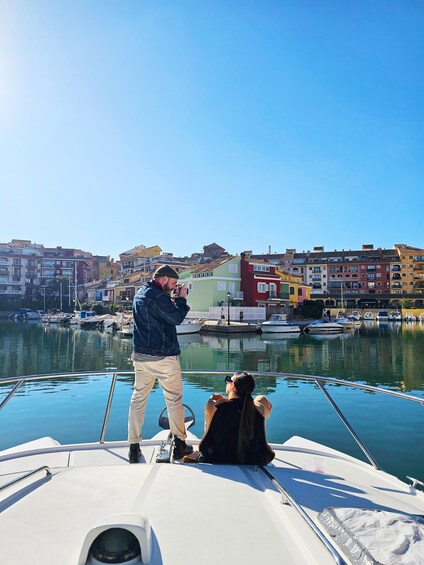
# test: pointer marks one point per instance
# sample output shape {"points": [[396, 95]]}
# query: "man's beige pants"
{"points": [[168, 373]]}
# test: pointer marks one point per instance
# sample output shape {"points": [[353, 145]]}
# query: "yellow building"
{"points": [[137, 258], [298, 291], [411, 268]]}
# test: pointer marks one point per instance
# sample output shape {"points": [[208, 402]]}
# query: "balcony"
{"points": [[15, 292]]}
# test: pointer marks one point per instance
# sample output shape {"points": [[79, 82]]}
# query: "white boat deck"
{"points": [[199, 514]]}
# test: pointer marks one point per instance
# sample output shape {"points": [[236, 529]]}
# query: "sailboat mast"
{"points": [[75, 285]]}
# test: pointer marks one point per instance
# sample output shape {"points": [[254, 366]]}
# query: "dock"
{"points": [[222, 327]]}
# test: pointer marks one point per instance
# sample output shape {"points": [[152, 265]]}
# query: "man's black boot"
{"points": [[181, 448], [134, 453]]}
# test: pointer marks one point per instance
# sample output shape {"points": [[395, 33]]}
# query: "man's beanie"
{"points": [[166, 271]]}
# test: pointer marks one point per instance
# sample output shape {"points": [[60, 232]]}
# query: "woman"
{"points": [[235, 426]]}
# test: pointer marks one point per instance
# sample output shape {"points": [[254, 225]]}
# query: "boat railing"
{"points": [[289, 499], [45, 468], [319, 381]]}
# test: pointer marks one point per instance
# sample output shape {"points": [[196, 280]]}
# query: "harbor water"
{"points": [[384, 355]]}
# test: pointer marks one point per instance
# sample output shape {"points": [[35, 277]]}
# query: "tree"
{"points": [[98, 309]]}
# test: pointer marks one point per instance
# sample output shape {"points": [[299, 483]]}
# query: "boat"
{"points": [[395, 316], [348, 323], [356, 314], [369, 316], [382, 316], [83, 504], [25, 314], [409, 318], [55, 318], [126, 330], [189, 326], [324, 326], [278, 324]]}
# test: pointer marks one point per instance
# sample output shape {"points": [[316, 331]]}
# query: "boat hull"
{"points": [[189, 327], [279, 328]]}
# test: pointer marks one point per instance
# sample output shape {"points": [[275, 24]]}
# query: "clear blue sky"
{"points": [[289, 124]]}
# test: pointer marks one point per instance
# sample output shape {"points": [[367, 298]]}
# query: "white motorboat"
{"points": [[356, 314], [189, 327], [347, 323], [56, 318], [324, 326], [25, 314], [395, 316], [278, 324], [83, 504], [382, 316], [369, 316], [410, 318]]}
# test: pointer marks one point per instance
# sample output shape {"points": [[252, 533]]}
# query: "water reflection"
{"points": [[379, 354]]}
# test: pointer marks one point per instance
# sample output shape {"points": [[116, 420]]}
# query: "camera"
{"points": [[177, 290]]}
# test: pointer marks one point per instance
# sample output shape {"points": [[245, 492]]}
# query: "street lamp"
{"points": [[228, 308]]}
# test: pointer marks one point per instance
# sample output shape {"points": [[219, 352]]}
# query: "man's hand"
{"points": [[181, 291]]}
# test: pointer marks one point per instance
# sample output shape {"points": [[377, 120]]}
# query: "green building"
{"points": [[209, 284]]}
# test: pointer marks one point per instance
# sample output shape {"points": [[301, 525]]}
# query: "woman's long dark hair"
{"points": [[245, 385]]}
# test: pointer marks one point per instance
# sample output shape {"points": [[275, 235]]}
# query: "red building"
{"points": [[260, 284]]}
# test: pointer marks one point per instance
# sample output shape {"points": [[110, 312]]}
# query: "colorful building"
{"points": [[213, 283], [297, 290], [260, 284]]}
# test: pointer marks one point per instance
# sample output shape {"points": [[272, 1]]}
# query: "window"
{"points": [[233, 268], [221, 285], [292, 290], [299, 291], [262, 287]]}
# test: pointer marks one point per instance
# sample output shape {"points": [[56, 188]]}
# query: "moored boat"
{"points": [[395, 316], [25, 314], [324, 326], [189, 326], [126, 331], [356, 314], [382, 316], [313, 505], [278, 324]]}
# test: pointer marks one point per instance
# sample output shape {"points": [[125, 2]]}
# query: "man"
{"points": [[159, 306]]}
